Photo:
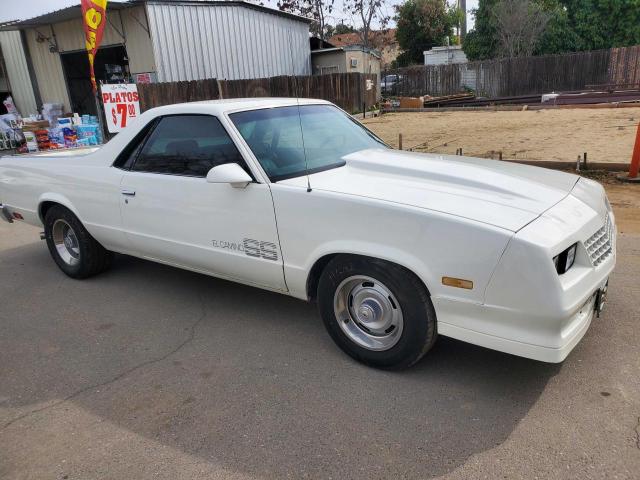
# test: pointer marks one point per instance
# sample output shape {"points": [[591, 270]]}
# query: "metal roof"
{"points": [[241, 3], [347, 48], [74, 11], [57, 16]]}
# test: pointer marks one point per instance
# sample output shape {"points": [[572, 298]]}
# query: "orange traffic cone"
{"points": [[635, 162]]}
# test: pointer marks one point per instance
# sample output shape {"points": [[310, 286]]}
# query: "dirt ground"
{"points": [[625, 200], [607, 135]]}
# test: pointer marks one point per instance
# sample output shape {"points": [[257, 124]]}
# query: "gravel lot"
{"points": [[153, 372], [606, 134]]}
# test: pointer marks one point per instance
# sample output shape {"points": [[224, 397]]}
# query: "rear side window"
{"points": [[130, 152], [188, 145]]}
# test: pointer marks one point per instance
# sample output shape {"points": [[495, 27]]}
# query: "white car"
{"points": [[296, 197]]}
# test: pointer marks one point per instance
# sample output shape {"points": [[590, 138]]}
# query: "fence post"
{"points": [[635, 158], [363, 78]]}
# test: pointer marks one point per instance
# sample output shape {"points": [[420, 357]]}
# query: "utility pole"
{"points": [[462, 5]]}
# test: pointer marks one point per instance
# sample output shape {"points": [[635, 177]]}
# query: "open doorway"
{"points": [[111, 65]]}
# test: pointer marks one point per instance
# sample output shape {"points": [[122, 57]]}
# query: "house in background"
{"points": [[151, 41], [349, 59], [384, 41], [340, 56]]}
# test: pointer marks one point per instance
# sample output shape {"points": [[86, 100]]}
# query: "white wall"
{"points": [[445, 56], [47, 68], [124, 27], [69, 37], [326, 61]]}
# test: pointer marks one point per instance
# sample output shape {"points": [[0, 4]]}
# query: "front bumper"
{"points": [[529, 309], [492, 319], [5, 215]]}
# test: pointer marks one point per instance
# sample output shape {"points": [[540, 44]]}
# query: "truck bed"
{"points": [[64, 152]]}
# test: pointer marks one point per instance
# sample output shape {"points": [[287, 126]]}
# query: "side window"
{"points": [[188, 145]]}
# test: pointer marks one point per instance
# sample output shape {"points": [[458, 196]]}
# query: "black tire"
{"points": [[419, 330], [92, 259]]}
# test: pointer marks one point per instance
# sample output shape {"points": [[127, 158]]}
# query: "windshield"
{"points": [[280, 138]]}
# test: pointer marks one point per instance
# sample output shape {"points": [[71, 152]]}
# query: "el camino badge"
{"points": [[250, 247]]}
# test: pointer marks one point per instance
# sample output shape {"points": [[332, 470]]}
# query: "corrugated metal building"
{"points": [[168, 40], [226, 40], [17, 79]]}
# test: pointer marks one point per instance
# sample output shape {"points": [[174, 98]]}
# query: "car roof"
{"points": [[233, 105]]}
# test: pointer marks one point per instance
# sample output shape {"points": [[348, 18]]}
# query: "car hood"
{"points": [[504, 194]]}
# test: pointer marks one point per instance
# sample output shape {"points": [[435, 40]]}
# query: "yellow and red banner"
{"points": [[94, 18]]}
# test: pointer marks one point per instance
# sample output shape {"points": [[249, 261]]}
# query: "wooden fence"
{"points": [[624, 66], [522, 75], [347, 90]]}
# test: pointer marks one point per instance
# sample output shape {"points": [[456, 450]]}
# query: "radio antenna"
{"points": [[295, 82]]}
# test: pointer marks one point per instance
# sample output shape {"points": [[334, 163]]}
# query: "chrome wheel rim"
{"points": [[368, 313], [66, 242]]}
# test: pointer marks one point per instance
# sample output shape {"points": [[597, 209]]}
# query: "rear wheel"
{"points": [[378, 312], [72, 247]]}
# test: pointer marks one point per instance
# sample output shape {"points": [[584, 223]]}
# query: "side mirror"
{"points": [[231, 173]]}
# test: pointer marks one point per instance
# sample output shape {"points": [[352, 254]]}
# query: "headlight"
{"points": [[606, 202], [564, 261]]}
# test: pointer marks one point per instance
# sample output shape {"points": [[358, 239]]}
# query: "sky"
{"points": [[14, 9]]}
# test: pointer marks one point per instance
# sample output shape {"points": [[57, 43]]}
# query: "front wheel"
{"points": [[72, 247], [377, 312]]}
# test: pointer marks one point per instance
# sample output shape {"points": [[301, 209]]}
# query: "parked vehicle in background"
{"points": [[389, 84], [297, 197]]}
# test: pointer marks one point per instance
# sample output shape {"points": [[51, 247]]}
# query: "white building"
{"points": [[454, 55], [447, 55], [150, 40]]}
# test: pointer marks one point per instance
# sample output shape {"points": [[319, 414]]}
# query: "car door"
{"points": [[170, 213]]}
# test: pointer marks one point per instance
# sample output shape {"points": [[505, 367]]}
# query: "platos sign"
{"points": [[121, 105]]}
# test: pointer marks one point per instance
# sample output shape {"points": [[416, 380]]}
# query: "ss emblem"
{"points": [[258, 249]]}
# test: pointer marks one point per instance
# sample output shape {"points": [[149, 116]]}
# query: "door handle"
{"points": [[128, 192]]}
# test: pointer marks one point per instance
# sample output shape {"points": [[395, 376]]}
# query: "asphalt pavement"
{"points": [[148, 371]]}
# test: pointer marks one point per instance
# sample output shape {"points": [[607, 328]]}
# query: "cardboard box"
{"points": [[411, 102], [33, 126]]}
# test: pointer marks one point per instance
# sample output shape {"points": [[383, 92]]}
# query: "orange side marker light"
{"points": [[457, 283]]}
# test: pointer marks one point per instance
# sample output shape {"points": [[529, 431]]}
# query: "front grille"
{"points": [[599, 245]]}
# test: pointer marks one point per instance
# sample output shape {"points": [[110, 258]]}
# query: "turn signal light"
{"points": [[457, 283]]}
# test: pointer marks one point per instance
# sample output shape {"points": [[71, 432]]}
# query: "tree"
{"points": [[486, 40], [604, 23], [480, 43], [519, 26], [421, 25], [340, 29], [318, 10], [368, 11], [558, 37], [573, 25]]}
